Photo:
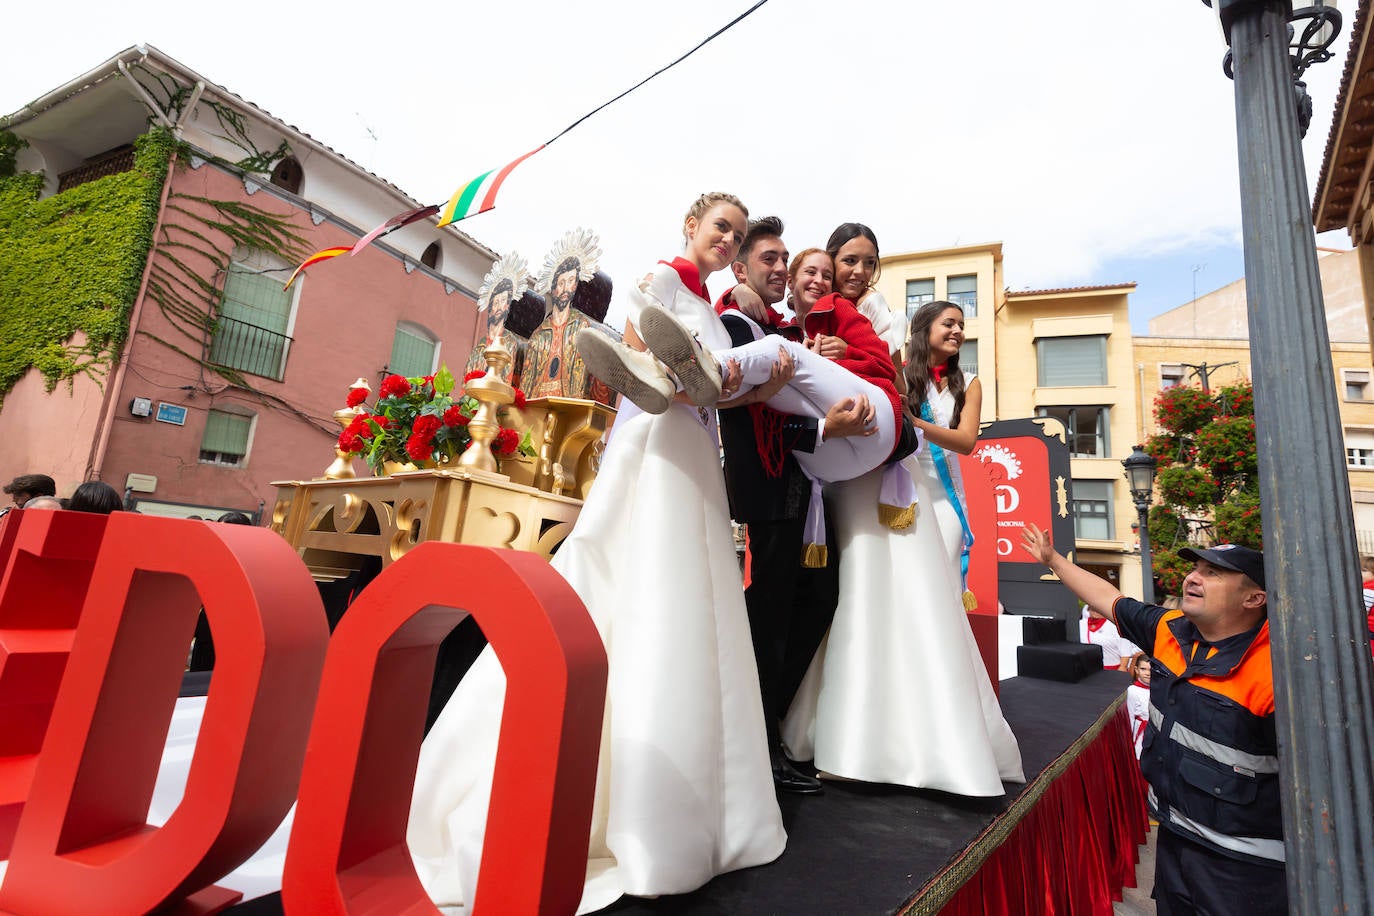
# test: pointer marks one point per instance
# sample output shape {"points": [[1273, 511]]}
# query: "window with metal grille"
{"points": [[226, 437], [1072, 362], [413, 351], [968, 357], [250, 330], [918, 293], [963, 292]]}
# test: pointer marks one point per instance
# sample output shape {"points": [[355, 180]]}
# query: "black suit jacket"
{"points": [[755, 495]]}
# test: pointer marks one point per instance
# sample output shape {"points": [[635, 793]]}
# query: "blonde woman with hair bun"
{"points": [[684, 788]]}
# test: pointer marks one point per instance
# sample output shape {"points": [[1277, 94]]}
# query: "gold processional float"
{"points": [[521, 503], [529, 504]]}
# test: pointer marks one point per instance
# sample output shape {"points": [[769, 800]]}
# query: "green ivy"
{"points": [[73, 264]]}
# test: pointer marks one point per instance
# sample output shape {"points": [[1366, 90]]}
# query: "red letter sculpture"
{"points": [[47, 558], [348, 851], [83, 844]]}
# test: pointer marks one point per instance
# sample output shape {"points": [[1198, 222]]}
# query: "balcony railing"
{"points": [[249, 348], [108, 163]]}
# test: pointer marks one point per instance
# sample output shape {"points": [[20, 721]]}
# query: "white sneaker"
{"points": [[672, 342], [633, 373]]}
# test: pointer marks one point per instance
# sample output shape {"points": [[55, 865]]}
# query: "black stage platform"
{"points": [[861, 848]]}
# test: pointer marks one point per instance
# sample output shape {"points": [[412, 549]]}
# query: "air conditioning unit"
{"points": [[141, 483]]}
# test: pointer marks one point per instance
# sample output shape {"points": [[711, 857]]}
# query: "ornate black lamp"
{"points": [[1140, 473], [1322, 675]]}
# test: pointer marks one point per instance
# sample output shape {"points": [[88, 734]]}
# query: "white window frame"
{"points": [[248, 443], [1359, 448]]}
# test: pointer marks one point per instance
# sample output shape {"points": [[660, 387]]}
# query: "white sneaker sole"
{"points": [[677, 348], [603, 359]]}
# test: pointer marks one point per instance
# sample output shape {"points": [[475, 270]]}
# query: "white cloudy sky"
{"points": [[1097, 144]]}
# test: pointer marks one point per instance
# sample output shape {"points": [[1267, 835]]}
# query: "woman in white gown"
{"points": [[684, 788], [899, 693]]}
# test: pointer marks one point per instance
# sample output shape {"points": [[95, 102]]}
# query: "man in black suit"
{"points": [[790, 606]]}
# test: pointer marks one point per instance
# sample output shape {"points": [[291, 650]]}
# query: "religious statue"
{"points": [[504, 283], [553, 367]]}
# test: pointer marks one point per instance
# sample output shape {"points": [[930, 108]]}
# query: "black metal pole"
{"points": [[1322, 668], [1147, 573]]}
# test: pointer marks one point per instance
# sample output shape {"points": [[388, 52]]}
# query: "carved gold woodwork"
{"points": [[523, 503], [567, 435], [333, 524]]}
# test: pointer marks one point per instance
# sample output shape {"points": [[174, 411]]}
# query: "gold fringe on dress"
{"points": [[815, 556], [970, 601], [897, 518]]}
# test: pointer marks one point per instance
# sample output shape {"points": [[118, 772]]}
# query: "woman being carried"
{"points": [[684, 789], [899, 693], [720, 376]]}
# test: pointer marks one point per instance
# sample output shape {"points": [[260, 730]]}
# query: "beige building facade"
{"points": [[970, 276], [1062, 354], [1164, 361]]}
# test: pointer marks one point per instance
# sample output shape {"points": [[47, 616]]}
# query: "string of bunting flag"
{"points": [[479, 194]]}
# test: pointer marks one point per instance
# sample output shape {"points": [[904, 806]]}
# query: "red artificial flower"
{"points": [[395, 386], [356, 396], [426, 426], [506, 442], [454, 416], [419, 447], [519, 399], [475, 373]]}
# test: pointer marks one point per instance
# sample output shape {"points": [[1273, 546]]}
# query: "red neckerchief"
{"points": [[1096, 623], [1138, 684], [937, 373], [691, 276]]}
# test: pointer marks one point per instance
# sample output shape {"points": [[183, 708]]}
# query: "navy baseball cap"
{"points": [[1230, 556]]}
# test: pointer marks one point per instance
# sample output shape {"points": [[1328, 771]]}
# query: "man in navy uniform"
{"points": [[1210, 750]]}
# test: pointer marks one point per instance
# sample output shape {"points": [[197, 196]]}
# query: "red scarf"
{"points": [[1096, 623], [937, 373]]}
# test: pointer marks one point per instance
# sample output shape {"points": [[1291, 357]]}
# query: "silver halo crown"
{"points": [[510, 267], [579, 244]]}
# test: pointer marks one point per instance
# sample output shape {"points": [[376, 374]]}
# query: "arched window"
{"points": [[430, 257], [288, 175]]}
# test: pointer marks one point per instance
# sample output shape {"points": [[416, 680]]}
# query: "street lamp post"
{"points": [[1140, 473], [1317, 621]]}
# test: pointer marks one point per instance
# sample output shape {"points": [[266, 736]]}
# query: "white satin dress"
{"points": [[898, 693], [684, 789]]}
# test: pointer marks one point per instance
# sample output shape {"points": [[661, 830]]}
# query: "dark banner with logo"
{"points": [[1019, 474]]}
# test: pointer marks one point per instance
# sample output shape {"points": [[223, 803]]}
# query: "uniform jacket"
{"points": [[1210, 752]]}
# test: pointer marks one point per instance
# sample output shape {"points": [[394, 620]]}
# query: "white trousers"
{"points": [[818, 385]]}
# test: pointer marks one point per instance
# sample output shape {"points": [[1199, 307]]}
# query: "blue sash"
{"points": [[937, 455]]}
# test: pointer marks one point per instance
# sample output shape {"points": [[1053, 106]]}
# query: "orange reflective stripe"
{"points": [[1251, 684]]}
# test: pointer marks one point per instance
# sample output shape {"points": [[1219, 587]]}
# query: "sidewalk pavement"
{"points": [[1136, 900]]}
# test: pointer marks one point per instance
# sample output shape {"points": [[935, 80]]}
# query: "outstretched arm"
{"points": [[1100, 594], [963, 438]]}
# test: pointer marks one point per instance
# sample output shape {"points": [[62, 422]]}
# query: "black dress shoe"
{"points": [[787, 778]]}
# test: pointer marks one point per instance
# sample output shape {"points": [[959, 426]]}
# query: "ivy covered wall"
{"points": [[73, 263]]}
